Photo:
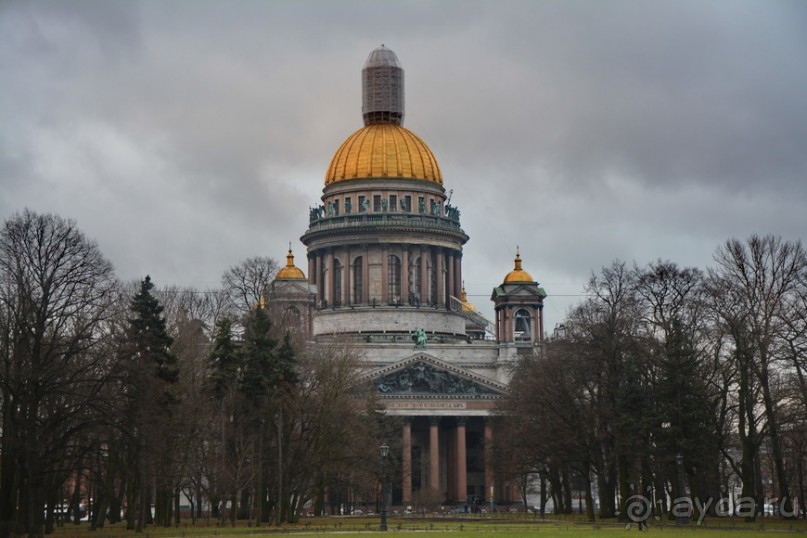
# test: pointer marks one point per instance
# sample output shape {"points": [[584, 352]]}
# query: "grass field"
{"points": [[470, 527]]}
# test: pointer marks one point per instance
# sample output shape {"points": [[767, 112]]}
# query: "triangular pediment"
{"points": [[525, 291], [425, 375], [518, 290], [291, 287]]}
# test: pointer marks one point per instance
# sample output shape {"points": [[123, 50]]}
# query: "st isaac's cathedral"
{"points": [[385, 272]]}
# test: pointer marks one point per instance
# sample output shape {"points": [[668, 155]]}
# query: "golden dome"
{"points": [[383, 151], [466, 305], [290, 272], [518, 274]]}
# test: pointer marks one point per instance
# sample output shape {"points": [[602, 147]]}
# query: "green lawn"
{"points": [[470, 527]]}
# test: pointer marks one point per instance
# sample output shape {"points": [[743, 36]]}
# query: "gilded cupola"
{"points": [[467, 306], [290, 271], [518, 274]]}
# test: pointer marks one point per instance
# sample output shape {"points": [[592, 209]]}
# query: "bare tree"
{"points": [[56, 289], [549, 423], [329, 420], [183, 304], [754, 284], [684, 383], [245, 284]]}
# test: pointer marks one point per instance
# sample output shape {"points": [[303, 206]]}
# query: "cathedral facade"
{"points": [[384, 252]]}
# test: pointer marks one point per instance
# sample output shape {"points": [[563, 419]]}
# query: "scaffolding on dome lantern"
{"points": [[382, 88]]}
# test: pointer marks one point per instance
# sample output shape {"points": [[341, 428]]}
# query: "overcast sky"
{"points": [[185, 137]]}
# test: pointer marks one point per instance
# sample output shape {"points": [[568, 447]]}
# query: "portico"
{"points": [[447, 456], [447, 433]]}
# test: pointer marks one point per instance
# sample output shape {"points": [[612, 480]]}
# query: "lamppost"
{"points": [[680, 517], [384, 450]]}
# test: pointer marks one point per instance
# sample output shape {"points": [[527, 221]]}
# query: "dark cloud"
{"points": [[186, 136]]}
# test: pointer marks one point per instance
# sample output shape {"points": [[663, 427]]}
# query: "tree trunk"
{"points": [[589, 498], [143, 483], [177, 514], [785, 502], [624, 487], [279, 466]]}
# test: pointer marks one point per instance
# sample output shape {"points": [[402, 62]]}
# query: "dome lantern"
{"points": [[382, 88]]}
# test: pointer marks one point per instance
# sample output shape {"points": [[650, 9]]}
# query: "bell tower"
{"points": [[292, 299], [519, 304]]}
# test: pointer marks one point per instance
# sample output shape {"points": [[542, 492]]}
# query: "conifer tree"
{"points": [[148, 337], [268, 377], [152, 373], [224, 360], [258, 358]]}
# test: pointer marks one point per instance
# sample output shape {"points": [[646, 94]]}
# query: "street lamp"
{"points": [[680, 517], [384, 450]]}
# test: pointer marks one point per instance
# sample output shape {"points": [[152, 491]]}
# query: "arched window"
{"points": [[357, 280], [523, 324], [337, 283], [393, 279]]}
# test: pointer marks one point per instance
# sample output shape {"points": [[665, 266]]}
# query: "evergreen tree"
{"points": [[258, 354], [224, 359], [148, 337], [152, 374], [269, 376], [285, 370]]}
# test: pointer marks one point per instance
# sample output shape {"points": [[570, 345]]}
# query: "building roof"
{"points": [[381, 57], [383, 151]]}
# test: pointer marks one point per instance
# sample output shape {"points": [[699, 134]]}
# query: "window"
{"points": [[407, 203], [393, 202], [362, 204], [393, 279], [376, 203], [523, 325], [357, 279]]}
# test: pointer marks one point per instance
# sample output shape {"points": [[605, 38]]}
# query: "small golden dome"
{"points": [[383, 151], [466, 306], [518, 274], [290, 272]]}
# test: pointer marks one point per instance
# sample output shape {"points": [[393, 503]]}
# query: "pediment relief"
{"points": [[421, 376]]}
